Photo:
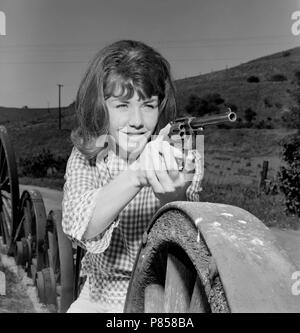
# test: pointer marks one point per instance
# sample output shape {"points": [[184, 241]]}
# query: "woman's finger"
{"points": [[164, 132], [149, 170], [169, 160], [164, 178]]}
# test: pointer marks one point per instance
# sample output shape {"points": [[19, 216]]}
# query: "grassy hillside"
{"points": [[13, 115], [270, 97]]}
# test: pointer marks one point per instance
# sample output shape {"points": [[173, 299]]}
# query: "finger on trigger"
{"points": [[156, 156], [189, 165], [170, 161]]}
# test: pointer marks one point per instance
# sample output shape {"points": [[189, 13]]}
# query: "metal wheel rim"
{"points": [[203, 292], [32, 227], [8, 180]]}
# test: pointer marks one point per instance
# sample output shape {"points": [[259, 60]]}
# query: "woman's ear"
{"points": [[102, 141]]}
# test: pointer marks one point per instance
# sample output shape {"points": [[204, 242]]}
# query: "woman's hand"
{"points": [[157, 167]]}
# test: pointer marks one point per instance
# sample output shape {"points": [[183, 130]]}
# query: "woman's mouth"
{"points": [[134, 135]]}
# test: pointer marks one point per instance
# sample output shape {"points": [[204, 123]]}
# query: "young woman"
{"points": [[120, 172]]}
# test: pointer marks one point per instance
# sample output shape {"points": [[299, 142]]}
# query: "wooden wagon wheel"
{"points": [[29, 238], [9, 190], [64, 259], [204, 257]]}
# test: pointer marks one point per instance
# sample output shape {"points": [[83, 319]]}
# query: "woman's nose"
{"points": [[136, 119]]}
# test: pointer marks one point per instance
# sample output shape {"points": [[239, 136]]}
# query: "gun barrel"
{"points": [[181, 125], [204, 121]]}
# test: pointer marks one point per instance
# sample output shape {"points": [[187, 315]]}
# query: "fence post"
{"points": [[264, 174]]}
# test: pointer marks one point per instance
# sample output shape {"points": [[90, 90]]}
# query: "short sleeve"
{"points": [[195, 188], [82, 184]]}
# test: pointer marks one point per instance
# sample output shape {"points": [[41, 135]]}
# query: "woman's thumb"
{"points": [[165, 131]]}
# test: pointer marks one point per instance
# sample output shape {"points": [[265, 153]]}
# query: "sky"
{"points": [[50, 42]]}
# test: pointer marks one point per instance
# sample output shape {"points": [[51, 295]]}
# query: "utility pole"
{"points": [[59, 108]]}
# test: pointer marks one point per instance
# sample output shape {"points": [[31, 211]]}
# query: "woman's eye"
{"points": [[121, 106], [150, 106]]}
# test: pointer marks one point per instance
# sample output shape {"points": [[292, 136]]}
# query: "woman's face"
{"points": [[132, 122]]}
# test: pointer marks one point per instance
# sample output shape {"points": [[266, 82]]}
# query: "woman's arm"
{"points": [[111, 200]]}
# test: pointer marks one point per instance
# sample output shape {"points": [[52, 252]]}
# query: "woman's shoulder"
{"points": [[78, 159]]}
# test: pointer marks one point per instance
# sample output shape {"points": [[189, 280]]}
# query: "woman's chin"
{"points": [[131, 151]]}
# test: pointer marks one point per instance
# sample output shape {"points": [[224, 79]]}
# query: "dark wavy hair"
{"points": [[124, 67]]}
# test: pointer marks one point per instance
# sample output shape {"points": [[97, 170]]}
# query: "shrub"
{"points": [[214, 98], [267, 102], [289, 177], [253, 79], [199, 106], [250, 115], [297, 75], [42, 164], [261, 124], [278, 78], [292, 118], [286, 54]]}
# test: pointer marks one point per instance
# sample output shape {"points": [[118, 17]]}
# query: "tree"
{"points": [[250, 115], [199, 106], [214, 98], [292, 118], [297, 75], [289, 176]]}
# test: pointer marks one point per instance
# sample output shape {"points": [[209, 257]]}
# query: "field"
{"points": [[233, 164]]}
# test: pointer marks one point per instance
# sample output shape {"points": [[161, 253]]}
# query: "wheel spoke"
{"points": [[1, 150], [199, 302], [28, 218], [7, 203], [5, 228], [178, 286], [6, 194], [3, 169], [52, 251], [2, 159], [4, 184], [17, 236], [154, 298], [7, 218]]}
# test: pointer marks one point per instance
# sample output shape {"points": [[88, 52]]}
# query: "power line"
{"points": [[41, 62], [183, 41], [178, 46], [86, 62], [59, 107]]}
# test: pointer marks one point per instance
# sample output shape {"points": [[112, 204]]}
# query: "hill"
{"points": [[233, 157], [270, 94], [274, 82], [13, 115]]}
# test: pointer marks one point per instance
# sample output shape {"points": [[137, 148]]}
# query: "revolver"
{"points": [[184, 131]]}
